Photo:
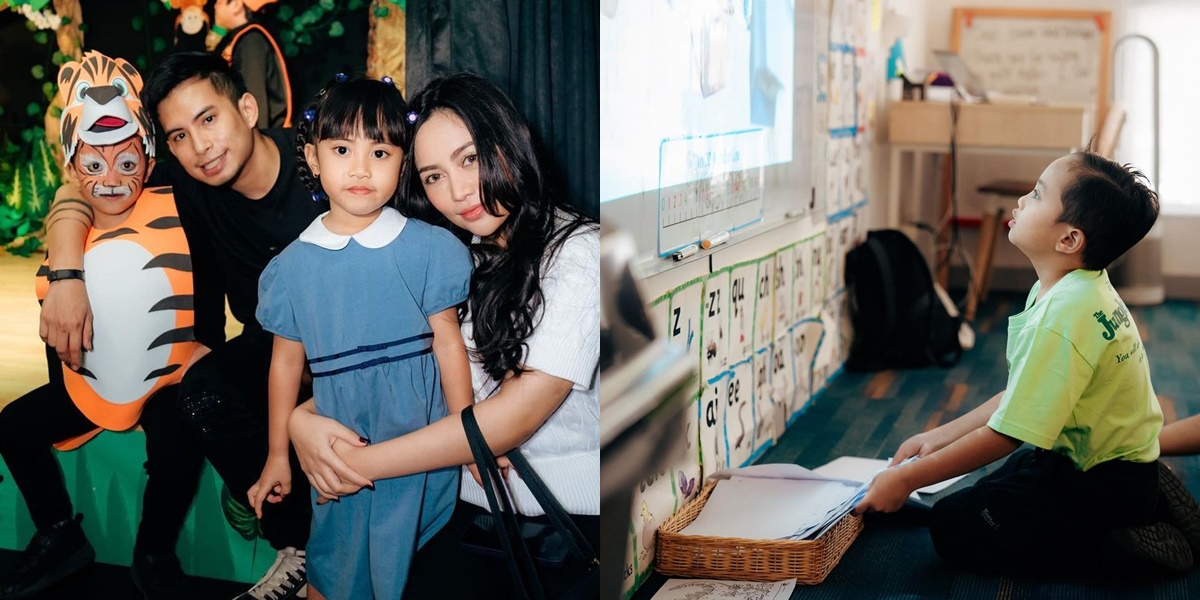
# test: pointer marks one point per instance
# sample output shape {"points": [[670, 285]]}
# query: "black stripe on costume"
{"points": [[116, 233], [182, 334], [86, 373], [177, 302], [164, 223], [179, 262], [372, 363], [167, 370], [370, 348]]}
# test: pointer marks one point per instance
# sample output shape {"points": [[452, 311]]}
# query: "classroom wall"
{"points": [[785, 336], [929, 28]]}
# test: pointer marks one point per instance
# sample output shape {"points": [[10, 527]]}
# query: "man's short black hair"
{"points": [[185, 66], [1111, 203]]}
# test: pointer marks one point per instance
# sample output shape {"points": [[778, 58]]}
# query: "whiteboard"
{"points": [[1058, 56], [691, 142]]}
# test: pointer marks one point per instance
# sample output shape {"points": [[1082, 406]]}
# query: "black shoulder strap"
{"points": [[520, 563]]}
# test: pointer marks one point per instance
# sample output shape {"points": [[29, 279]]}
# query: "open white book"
{"points": [[855, 468]]}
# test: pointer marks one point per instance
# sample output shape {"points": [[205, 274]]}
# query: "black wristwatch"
{"points": [[61, 274]]}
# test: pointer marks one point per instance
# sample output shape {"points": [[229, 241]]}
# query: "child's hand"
{"points": [[887, 493], [922, 444], [274, 483]]}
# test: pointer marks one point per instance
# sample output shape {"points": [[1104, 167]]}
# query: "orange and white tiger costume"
{"points": [[138, 274]]}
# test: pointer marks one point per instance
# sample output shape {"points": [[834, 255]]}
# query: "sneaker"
{"points": [[158, 576], [1182, 509], [286, 579], [1158, 549], [51, 556]]}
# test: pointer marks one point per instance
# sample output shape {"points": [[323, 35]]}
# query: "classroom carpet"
{"points": [[871, 414]]}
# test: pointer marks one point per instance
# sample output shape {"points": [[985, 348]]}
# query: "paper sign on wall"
{"points": [[716, 324], [712, 425], [741, 318], [739, 413], [764, 308]]}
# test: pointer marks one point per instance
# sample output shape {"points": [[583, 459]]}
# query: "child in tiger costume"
{"points": [[139, 279]]}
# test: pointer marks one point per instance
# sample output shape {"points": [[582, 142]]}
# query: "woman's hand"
{"points": [[501, 461], [314, 436]]}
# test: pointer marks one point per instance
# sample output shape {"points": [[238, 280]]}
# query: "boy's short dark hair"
{"points": [[184, 66], [1111, 203]]}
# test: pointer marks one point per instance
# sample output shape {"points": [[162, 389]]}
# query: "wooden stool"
{"points": [[999, 198]]}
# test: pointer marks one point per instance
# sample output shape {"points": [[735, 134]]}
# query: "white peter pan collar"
{"points": [[378, 234]]}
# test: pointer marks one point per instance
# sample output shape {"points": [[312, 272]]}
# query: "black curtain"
{"points": [[543, 53]]}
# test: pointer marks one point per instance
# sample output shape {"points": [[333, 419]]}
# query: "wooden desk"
{"points": [[924, 128]]}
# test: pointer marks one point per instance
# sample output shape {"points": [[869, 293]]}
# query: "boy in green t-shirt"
{"points": [[1078, 390]]}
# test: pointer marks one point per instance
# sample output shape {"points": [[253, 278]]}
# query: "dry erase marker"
{"points": [[685, 252], [715, 239]]}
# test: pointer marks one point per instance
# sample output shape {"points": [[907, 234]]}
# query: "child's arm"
{"points": [[287, 365], [1180, 437], [891, 487], [924, 444], [451, 354]]}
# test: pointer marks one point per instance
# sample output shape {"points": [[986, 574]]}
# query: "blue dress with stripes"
{"points": [[362, 315]]}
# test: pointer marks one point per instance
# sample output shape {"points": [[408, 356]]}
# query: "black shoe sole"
{"points": [[1157, 549], [79, 560], [1181, 506]]}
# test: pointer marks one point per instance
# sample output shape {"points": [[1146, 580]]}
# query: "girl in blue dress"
{"points": [[532, 328], [368, 300]]}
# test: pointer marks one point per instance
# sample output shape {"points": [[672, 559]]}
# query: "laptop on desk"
{"points": [[970, 87]]}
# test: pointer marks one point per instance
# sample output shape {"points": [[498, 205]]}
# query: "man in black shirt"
{"points": [[240, 203]]}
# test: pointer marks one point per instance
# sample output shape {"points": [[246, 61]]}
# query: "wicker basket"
{"points": [[809, 561]]}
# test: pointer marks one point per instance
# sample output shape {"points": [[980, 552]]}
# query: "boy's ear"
{"points": [[1071, 241], [248, 107], [310, 156], [149, 169]]}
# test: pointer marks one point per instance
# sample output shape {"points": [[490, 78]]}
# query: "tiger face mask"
{"points": [[111, 177]]}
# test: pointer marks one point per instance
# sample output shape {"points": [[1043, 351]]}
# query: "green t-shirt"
{"points": [[1078, 377]]}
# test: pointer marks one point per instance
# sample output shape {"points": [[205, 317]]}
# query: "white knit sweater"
{"points": [[565, 343]]}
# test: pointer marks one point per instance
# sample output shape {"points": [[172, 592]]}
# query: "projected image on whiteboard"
{"points": [[697, 100]]}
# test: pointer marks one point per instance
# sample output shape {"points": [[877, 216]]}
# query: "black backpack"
{"points": [[899, 320]]}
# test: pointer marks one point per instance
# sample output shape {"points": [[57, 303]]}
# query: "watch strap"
{"points": [[61, 274]]}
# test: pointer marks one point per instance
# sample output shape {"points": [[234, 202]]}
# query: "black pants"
{"points": [[1038, 514], [442, 562], [224, 399], [32, 423]]}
